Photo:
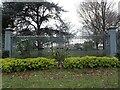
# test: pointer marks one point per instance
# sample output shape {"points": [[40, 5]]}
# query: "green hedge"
{"points": [[14, 65], [90, 62]]}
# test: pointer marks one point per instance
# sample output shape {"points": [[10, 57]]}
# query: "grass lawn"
{"points": [[62, 78]]}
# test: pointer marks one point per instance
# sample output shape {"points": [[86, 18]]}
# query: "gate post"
{"points": [[8, 33], [112, 40]]}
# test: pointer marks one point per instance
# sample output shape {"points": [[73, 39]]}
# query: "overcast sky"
{"points": [[71, 15], [70, 6]]}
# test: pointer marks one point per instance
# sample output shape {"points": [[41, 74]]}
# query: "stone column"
{"points": [[0, 32], [112, 40], [8, 33]]}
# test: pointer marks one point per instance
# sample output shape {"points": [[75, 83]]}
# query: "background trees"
{"points": [[96, 17], [35, 18], [44, 19]]}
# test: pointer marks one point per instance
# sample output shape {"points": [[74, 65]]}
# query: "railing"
{"points": [[75, 46]]}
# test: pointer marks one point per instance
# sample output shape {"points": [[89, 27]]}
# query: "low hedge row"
{"points": [[90, 62], [14, 65]]}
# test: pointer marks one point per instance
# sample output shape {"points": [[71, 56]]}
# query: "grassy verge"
{"points": [[62, 78]]}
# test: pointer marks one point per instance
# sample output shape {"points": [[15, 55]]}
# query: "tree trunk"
{"points": [[103, 45], [96, 44], [39, 48]]}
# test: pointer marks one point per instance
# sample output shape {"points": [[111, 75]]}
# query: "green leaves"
{"points": [[15, 65], [90, 62]]}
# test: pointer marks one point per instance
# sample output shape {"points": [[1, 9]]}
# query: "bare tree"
{"points": [[96, 17]]}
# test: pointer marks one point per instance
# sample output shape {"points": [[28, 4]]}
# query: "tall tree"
{"points": [[30, 18], [9, 13], [96, 16]]}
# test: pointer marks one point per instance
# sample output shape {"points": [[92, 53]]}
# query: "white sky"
{"points": [[71, 15], [70, 6]]}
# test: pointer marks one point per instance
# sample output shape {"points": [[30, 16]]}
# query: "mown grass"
{"points": [[62, 78]]}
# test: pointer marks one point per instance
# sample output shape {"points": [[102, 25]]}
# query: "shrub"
{"points": [[90, 62], [118, 55], [59, 54], [5, 54], [14, 65]]}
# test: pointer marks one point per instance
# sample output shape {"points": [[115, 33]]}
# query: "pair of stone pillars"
{"points": [[111, 33]]}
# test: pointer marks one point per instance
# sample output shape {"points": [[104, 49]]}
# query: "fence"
{"points": [[34, 46], [118, 42], [77, 46]]}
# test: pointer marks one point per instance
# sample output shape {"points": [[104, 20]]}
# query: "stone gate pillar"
{"points": [[112, 40], [8, 33]]}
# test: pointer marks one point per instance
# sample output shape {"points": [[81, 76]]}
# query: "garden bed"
{"points": [[77, 72]]}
